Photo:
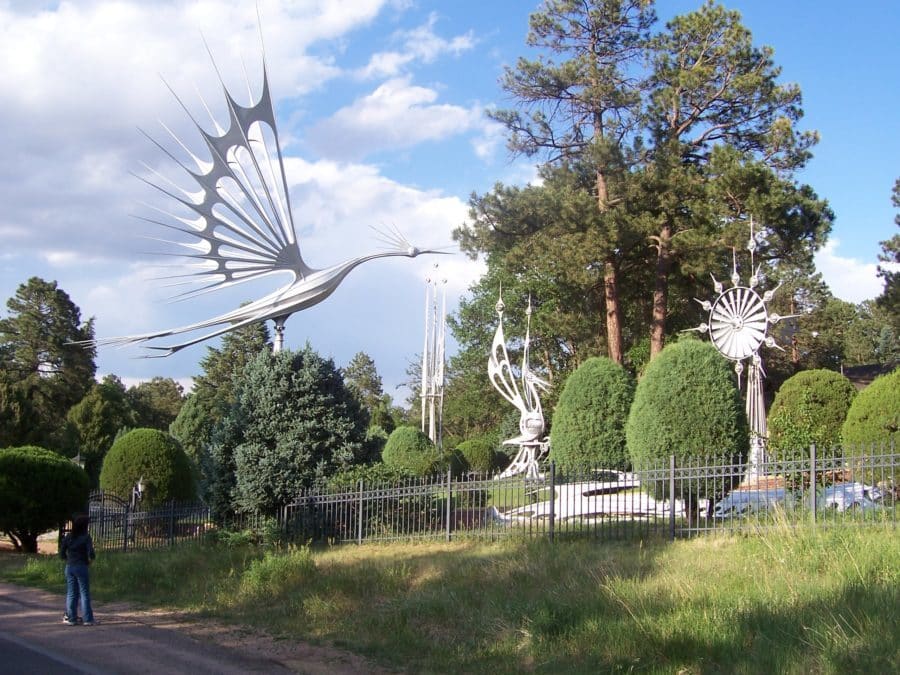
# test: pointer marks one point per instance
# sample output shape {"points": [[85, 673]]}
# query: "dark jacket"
{"points": [[77, 550]]}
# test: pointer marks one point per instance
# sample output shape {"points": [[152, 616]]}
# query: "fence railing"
{"points": [[117, 524], [670, 500]]}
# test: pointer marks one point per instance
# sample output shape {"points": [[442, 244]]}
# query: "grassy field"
{"points": [[823, 601]]}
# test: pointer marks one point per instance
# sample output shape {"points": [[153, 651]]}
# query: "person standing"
{"points": [[77, 550]]}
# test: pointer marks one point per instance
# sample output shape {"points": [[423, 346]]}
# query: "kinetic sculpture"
{"points": [[433, 362], [239, 227], [738, 323], [531, 421]]}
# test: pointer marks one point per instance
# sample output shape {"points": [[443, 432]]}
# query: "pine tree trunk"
{"points": [[661, 291], [613, 312], [610, 286]]}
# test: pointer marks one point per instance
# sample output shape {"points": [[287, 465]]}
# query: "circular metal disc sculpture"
{"points": [[239, 226], [527, 401], [738, 325]]}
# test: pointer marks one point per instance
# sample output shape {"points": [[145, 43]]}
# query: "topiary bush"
{"points": [[39, 490], [687, 405], [810, 407], [873, 420], [480, 454], [408, 449], [589, 420], [154, 456]]}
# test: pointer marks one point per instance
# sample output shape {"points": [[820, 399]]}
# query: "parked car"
{"points": [[844, 496], [742, 502]]}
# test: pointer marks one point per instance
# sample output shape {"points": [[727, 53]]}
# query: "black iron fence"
{"points": [[117, 524], [668, 501]]}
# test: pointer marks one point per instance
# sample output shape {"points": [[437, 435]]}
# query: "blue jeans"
{"points": [[78, 584]]}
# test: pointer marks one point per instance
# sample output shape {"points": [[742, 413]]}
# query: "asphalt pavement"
{"points": [[33, 639]]}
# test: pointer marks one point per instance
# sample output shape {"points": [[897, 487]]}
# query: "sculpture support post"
{"points": [[433, 362], [278, 342], [756, 416]]}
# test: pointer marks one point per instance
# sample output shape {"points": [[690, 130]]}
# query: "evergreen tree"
{"points": [[362, 379], [293, 423], [585, 107], [677, 156], [156, 403], [39, 489], [688, 405], [589, 420], [39, 357], [98, 418], [213, 392], [889, 300]]}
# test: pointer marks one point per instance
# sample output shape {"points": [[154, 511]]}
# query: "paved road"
{"points": [[33, 639]]}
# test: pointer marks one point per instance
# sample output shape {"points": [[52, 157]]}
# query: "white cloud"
{"points": [[396, 115], [421, 44], [848, 278]]}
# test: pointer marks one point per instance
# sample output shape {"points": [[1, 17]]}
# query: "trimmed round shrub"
{"points": [[408, 449], [481, 455], [589, 420], [874, 417], [810, 407], [153, 456], [687, 405], [39, 490]]}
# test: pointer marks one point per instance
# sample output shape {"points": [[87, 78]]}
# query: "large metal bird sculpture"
{"points": [[527, 400], [239, 226]]}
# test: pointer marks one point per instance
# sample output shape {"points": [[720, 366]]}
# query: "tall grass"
{"points": [[788, 601]]}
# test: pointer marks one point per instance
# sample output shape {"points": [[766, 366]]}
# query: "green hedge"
{"points": [[39, 489], [874, 416], [589, 420], [154, 456], [481, 456], [687, 404], [810, 407], [408, 449]]}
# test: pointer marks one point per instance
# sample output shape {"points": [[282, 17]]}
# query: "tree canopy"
{"points": [[39, 491], [43, 369], [677, 136], [293, 423]]}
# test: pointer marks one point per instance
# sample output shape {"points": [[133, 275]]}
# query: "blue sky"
{"points": [[380, 108]]}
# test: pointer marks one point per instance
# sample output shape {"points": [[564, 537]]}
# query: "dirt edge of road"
{"points": [[296, 655]]}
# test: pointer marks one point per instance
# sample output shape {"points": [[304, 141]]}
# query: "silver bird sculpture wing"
{"points": [[239, 226]]}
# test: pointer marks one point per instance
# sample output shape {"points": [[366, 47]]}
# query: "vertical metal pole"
{"points": [[449, 501], [672, 497], [812, 482], [125, 528], [552, 499], [171, 522], [359, 519]]}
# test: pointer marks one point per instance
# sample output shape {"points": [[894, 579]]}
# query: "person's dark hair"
{"points": [[80, 524]]}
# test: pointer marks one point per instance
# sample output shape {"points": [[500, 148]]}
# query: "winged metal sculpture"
{"points": [[239, 226], [527, 400]]}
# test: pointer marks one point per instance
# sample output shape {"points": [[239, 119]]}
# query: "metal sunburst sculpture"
{"points": [[738, 327], [241, 227]]}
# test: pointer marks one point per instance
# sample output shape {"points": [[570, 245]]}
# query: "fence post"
{"points": [[359, 516], [812, 482], [171, 522], [552, 499], [449, 502], [125, 528], [672, 497]]}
